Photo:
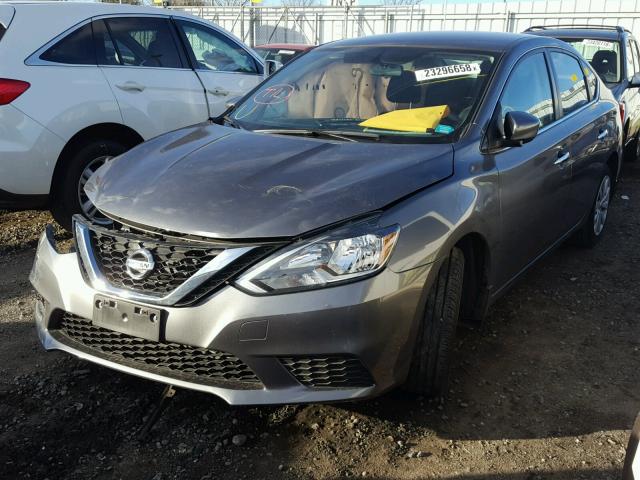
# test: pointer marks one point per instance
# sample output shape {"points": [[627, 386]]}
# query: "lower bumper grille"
{"points": [[183, 362], [328, 371]]}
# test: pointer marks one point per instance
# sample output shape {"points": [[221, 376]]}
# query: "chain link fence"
{"points": [[314, 25]]}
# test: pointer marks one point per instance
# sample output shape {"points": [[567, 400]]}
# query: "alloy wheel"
{"points": [[88, 209], [601, 207]]}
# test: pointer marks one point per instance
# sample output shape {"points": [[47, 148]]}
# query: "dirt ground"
{"points": [[545, 390]]}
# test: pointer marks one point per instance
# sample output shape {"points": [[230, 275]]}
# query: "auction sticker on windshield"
{"points": [[447, 71], [274, 94], [598, 43]]}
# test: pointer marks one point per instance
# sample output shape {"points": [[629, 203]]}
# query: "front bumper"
{"points": [[373, 321]]}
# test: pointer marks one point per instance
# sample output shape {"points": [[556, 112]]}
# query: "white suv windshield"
{"points": [[414, 92]]}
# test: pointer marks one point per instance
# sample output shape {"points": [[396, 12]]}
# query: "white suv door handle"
{"points": [[221, 92], [130, 86], [603, 134]]}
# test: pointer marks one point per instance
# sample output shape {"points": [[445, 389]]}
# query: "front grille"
{"points": [[328, 371], [175, 259], [175, 262], [174, 360]]}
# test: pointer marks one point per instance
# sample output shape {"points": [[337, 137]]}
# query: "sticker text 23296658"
{"points": [[447, 71]]}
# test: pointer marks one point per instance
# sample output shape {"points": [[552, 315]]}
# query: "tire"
{"points": [[429, 371], [69, 192], [592, 230], [632, 152]]}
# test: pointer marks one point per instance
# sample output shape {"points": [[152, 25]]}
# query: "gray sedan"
{"points": [[322, 240]]}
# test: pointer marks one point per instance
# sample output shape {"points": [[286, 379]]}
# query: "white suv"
{"points": [[82, 82]]}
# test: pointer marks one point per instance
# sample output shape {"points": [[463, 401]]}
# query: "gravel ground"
{"points": [[546, 389]]}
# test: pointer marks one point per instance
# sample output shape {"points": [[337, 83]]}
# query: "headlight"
{"points": [[349, 253]]}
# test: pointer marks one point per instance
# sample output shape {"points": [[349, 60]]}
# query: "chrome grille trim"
{"points": [[98, 281]]}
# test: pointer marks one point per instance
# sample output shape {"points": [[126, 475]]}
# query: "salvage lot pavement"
{"points": [[544, 390]]}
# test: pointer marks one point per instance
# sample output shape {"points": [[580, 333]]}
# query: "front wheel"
{"points": [[70, 197], [594, 225], [429, 370]]}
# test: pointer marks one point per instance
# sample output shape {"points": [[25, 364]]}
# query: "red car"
{"points": [[282, 52]]}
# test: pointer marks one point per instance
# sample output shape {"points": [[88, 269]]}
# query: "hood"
{"points": [[226, 183]]}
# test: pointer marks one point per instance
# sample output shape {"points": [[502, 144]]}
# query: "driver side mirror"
{"points": [[635, 81], [271, 67], [519, 128]]}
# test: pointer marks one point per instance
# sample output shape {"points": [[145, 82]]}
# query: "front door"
{"points": [[535, 178], [225, 67]]}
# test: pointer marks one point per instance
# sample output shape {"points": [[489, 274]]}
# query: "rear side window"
{"points": [[74, 49], [106, 53], [592, 82], [529, 90], [144, 42], [570, 81]]}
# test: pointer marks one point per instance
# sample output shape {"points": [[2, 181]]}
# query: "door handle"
{"points": [[603, 134], [130, 86], [220, 92], [562, 157]]}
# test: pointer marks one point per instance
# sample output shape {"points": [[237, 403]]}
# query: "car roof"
{"points": [[481, 41], [78, 11], [596, 33], [288, 46]]}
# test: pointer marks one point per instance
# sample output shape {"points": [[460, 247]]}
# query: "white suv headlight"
{"points": [[345, 254]]}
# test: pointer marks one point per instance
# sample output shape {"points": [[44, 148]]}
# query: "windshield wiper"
{"points": [[340, 135]]}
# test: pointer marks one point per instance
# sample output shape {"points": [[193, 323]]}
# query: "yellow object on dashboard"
{"points": [[409, 120]]}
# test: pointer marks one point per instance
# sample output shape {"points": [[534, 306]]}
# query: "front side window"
{"points": [[570, 82], [636, 55], [144, 42], [631, 66], [214, 51], [74, 49], [529, 90], [389, 92], [603, 55], [633, 52]]}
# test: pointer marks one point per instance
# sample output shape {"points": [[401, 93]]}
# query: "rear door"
{"points": [[156, 89], [535, 179], [225, 66], [584, 123]]}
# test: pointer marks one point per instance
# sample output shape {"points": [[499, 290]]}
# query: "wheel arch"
{"points": [[475, 289], [101, 131], [613, 162]]}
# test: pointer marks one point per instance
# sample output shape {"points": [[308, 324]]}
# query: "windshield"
{"points": [[603, 55], [391, 92], [281, 55]]}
